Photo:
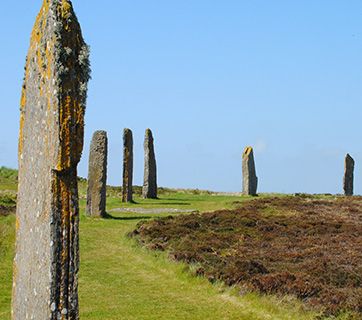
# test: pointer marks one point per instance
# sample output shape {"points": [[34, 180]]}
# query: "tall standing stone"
{"points": [[149, 190], [46, 263], [127, 166], [250, 180], [97, 175], [348, 175]]}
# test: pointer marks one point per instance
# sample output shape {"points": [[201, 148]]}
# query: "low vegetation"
{"points": [[297, 246], [8, 183], [121, 279]]}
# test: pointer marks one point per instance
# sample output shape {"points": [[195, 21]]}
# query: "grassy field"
{"points": [[121, 280]]}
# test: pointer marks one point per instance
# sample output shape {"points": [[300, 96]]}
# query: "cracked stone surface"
{"points": [[46, 263], [97, 175], [149, 190]]}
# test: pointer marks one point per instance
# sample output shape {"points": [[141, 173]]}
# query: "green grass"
{"points": [[7, 239], [186, 201], [118, 279], [8, 179], [121, 280]]}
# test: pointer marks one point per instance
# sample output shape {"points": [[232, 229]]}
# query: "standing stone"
{"points": [[149, 190], [348, 175], [97, 175], [127, 166], [250, 180], [46, 263]]}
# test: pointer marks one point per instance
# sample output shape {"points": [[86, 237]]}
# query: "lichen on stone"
{"points": [[52, 110]]}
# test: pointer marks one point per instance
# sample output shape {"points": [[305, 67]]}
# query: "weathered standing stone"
{"points": [[348, 175], [97, 175], [127, 166], [250, 180], [45, 280], [150, 171]]}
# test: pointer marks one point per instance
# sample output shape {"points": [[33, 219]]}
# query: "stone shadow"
{"points": [[109, 216]]}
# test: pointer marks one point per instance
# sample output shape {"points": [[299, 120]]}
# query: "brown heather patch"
{"points": [[301, 246]]}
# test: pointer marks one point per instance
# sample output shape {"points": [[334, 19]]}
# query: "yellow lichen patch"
{"points": [[38, 27], [66, 8], [248, 150], [23, 98], [20, 146], [65, 117], [71, 115], [42, 51], [22, 106], [49, 58], [17, 224], [35, 34]]}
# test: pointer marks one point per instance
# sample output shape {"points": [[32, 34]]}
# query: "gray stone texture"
{"points": [[127, 166], [149, 190], [46, 263], [250, 180], [97, 175], [348, 175]]}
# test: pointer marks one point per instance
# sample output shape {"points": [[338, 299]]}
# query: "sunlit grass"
{"points": [[121, 280]]}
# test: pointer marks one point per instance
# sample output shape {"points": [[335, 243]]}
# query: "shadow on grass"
{"points": [[109, 216], [169, 203], [184, 199]]}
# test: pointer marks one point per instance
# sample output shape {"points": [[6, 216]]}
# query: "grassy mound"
{"points": [[298, 246]]}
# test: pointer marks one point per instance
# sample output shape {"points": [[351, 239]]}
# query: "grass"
{"points": [[8, 179], [121, 280], [7, 238], [118, 279]]}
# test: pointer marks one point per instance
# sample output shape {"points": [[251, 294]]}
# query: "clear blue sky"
{"points": [[210, 77]]}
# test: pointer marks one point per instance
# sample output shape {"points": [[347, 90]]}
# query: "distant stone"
{"points": [[149, 190], [127, 192], [97, 175], [250, 180], [46, 263], [348, 175]]}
